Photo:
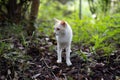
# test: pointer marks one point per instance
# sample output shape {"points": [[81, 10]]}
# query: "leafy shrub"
{"points": [[101, 34]]}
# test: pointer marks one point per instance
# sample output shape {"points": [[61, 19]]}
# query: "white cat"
{"points": [[64, 35]]}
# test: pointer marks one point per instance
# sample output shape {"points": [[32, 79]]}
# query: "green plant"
{"points": [[2, 47]]}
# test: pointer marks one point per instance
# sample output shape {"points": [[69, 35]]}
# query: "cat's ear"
{"points": [[63, 23], [56, 20]]}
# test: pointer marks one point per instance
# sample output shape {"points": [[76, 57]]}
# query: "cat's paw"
{"points": [[59, 61], [69, 63]]}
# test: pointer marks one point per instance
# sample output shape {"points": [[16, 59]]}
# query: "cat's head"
{"points": [[59, 26]]}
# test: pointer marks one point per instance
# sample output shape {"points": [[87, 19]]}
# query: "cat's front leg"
{"points": [[59, 53], [68, 50]]}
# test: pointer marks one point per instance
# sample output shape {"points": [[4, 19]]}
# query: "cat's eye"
{"points": [[58, 28]]}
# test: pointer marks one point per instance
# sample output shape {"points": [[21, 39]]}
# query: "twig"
{"points": [[117, 59], [46, 64], [36, 75], [6, 40], [50, 69]]}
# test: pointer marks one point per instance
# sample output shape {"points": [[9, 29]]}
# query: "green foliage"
{"points": [[102, 33], [2, 47], [83, 55], [48, 11]]}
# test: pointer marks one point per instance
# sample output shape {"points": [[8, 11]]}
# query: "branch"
{"points": [[50, 69], [6, 40]]}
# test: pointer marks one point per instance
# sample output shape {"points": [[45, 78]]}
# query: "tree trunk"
{"points": [[11, 7], [33, 15], [13, 11], [80, 9]]}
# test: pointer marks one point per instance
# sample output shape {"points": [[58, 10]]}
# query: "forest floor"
{"points": [[35, 59]]}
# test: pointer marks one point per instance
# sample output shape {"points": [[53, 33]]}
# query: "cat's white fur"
{"points": [[64, 35]]}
